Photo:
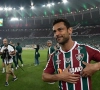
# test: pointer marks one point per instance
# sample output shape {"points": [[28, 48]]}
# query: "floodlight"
{"points": [[9, 8], [64, 1], [32, 7], [53, 4], [5, 8], [43, 5], [1, 8], [21, 8], [14, 19], [49, 5]]}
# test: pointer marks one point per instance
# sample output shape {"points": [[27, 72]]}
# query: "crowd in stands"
{"points": [[87, 34]]}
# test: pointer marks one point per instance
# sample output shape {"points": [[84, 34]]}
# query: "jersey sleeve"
{"points": [[53, 49], [49, 67], [94, 54], [11, 48]]}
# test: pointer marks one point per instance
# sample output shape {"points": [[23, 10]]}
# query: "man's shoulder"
{"points": [[55, 52], [10, 46], [52, 47]]}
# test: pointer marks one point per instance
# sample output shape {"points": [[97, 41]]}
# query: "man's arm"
{"points": [[12, 53], [1, 53], [64, 76], [49, 77], [90, 69]]}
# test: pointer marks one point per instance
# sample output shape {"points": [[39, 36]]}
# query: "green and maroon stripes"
{"points": [[85, 81], [67, 56], [55, 58], [76, 63]]}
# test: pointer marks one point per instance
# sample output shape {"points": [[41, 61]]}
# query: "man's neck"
{"points": [[68, 45], [5, 45]]}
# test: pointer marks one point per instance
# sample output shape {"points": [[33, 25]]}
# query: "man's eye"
{"points": [[60, 29], [54, 31]]}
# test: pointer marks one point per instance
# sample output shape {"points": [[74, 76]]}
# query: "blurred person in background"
{"points": [[7, 52], [50, 49], [19, 54], [37, 55], [14, 58]]}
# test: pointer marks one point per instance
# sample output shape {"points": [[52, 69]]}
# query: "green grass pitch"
{"points": [[31, 77]]}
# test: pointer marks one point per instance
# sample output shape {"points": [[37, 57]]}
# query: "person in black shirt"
{"points": [[37, 55]]}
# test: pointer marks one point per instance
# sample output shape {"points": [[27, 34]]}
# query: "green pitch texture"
{"points": [[31, 77]]}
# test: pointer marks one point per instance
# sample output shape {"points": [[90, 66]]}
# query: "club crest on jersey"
{"points": [[58, 62], [68, 60], [79, 56], [79, 48]]}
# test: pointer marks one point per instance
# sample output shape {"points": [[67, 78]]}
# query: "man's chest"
{"points": [[73, 59]]}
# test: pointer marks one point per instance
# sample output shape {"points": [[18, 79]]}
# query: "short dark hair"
{"points": [[18, 43], [66, 23], [38, 46]]}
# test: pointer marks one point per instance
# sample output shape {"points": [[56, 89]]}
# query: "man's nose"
{"points": [[56, 33]]}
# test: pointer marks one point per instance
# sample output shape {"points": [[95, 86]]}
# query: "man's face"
{"points": [[5, 42], [61, 33], [49, 44]]}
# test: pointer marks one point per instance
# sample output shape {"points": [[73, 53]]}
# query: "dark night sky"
{"points": [[25, 2]]}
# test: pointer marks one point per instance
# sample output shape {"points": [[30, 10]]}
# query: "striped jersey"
{"points": [[50, 51], [60, 60]]}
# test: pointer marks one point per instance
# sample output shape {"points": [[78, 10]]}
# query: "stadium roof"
{"points": [[45, 7], [27, 3], [84, 11]]}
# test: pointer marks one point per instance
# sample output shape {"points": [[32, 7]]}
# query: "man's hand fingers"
{"points": [[73, 82], [67, 68], [84, 63], [75, 75], [74, 78]]}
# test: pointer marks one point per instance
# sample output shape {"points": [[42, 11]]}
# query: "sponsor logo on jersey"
{"points": [[59, 70], [58, 62], [68, 60], [79, 48], [76, 69], [79, 56]]}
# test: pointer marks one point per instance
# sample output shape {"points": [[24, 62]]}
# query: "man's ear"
{"points": [[70, 30]]}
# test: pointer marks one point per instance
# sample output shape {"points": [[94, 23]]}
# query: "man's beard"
{"points": [[64, 41], [5, 45]]}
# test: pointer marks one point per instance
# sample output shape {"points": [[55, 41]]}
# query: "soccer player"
{"points": [[72, 61], [50, 49], [7, 51], [18, 54]]}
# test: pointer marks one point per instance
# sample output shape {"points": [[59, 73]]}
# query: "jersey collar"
{"points": [[70, 49]]}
